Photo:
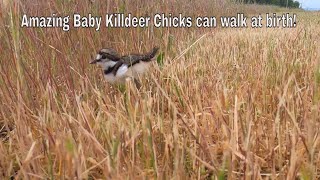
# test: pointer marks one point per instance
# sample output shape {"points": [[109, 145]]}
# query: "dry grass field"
{"points": [[217, 103]]}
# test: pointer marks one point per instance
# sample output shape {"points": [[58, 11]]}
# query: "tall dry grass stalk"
{"points": [[224, 103]]}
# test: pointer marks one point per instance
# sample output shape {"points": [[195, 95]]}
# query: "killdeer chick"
{"points": [[118, 68]]}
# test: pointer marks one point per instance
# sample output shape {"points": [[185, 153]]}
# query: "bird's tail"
{"points": [[151, 54]]}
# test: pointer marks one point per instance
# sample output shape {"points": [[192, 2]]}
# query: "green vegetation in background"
{"points": [[282, 3]]}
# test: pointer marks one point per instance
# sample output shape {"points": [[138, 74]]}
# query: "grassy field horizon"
{"points": [[217, 103]]}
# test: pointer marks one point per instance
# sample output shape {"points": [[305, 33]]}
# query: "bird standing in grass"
{"points": [[117, 69]]}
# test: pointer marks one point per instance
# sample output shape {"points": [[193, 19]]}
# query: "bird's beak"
{"points": [[94, 61]]}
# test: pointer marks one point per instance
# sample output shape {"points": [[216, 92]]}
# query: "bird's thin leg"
{"points": [[137, 83]]}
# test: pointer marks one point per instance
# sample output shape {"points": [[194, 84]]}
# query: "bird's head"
{"points": [[105, 57]]}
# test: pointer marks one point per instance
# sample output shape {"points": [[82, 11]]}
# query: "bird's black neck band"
{"points": [[109, 70]]}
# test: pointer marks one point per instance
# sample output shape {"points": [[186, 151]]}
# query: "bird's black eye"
{"points": [[104, 56]]}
